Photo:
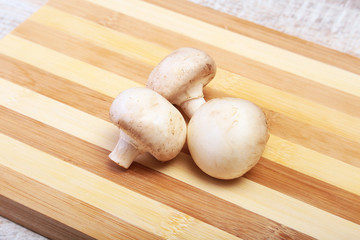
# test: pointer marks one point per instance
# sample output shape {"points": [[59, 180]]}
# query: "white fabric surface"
{"points": [[332, 23], [12, 231], [14, 12]]}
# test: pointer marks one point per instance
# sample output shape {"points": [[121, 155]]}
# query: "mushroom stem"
{"points": [[190, 106], [124, 153]]}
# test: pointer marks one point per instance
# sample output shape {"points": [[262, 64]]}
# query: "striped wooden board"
{"points": [[60, 71]]}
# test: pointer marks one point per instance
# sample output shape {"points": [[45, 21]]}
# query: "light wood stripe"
{"points": [[89, 31], [279, 150], [59, 115], [229, 82], [60, 71], [63, 66], [83, 98], [61, 207], [124, 65], [257, 198], [98, 104], [313, 164], [242, 45], [335, 122], [314, 138], [244, 193], [55, 87], [297, 108], [324, 174], [302, 187], [43, 225], [345, 185], [270, 174], [347, 151], [261, 33], [143, 180], [135, 209], [339, 183], [111, 84], [96, 34]]}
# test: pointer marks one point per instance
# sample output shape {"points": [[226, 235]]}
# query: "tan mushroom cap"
{"points": [[150, 122], [182, 75]]}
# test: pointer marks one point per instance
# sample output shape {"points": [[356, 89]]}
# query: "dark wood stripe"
{"points": [[306, 189], [37, 222], [282, 80], [98, 104], [60, 89], [159, 184], [261, 33], [59, 41], [85, 51], [306, 135], [190, 200], [47, 202], [314, 138]]}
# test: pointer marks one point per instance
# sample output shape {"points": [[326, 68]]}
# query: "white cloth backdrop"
{"points": [[332, 23]]}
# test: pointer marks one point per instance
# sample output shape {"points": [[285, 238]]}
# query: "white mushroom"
{"points": [[181, 76], [148, 123], [227, 136]]}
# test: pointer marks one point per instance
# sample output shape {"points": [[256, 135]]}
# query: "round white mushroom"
{"points": [[148, 123], [181, 76], [227, 136]]}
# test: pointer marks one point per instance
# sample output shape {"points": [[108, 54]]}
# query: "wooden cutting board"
{"points": [[60, 71]]}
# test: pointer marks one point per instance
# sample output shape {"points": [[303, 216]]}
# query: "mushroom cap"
{"points": [[182, 75], [227, 136], [152, 123]]}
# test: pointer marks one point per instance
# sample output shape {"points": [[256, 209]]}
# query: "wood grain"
{"points": [[249, 87], [82, 98], [261, 33], [309, 115], [346, 182], [56, 87], [78, 215], [145, 214], [60, 71], [143, 180], [41, 223], [91, 158], [264, 74], [240, 45], [104, 136]]}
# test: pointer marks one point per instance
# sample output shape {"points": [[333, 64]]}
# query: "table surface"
{"points": [[334, 24]]}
